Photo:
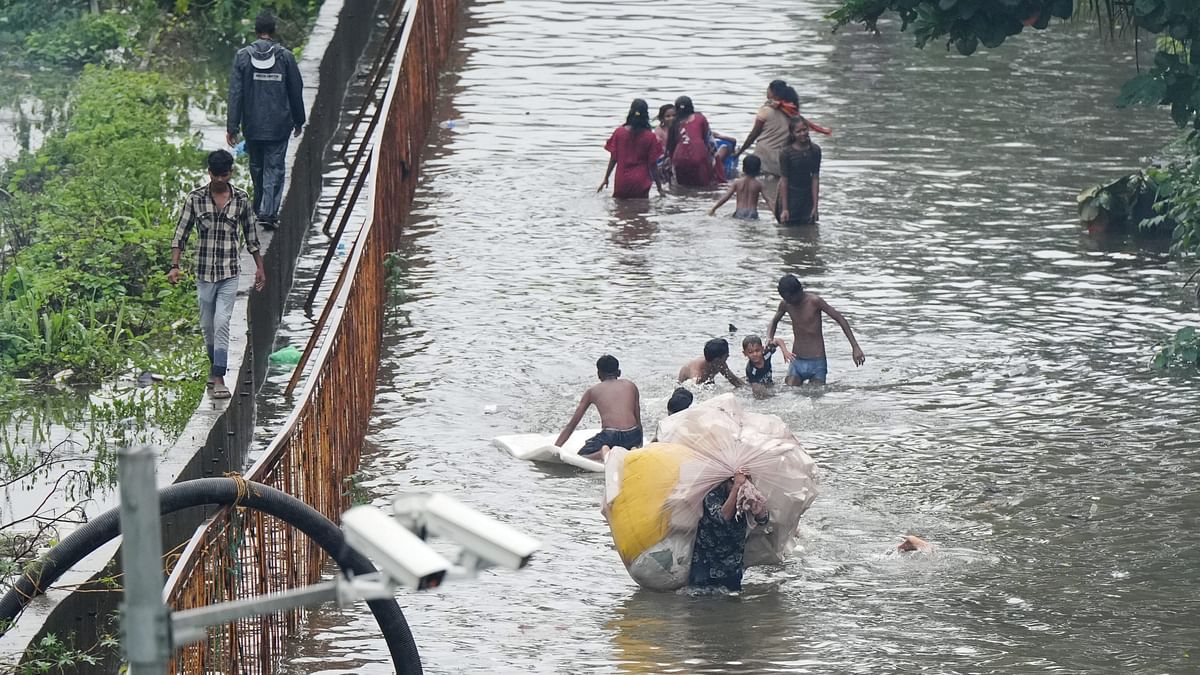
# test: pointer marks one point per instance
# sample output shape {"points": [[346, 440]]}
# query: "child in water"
{"points": [[620, 408], [748, 188], [705, 369], [758, 359]]}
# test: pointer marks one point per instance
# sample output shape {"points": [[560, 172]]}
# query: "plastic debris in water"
{"points": [[289, 355]]}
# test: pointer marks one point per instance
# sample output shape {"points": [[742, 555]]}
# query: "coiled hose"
{"points": [[222, 492]]}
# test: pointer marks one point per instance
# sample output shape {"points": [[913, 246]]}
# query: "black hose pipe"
{"points": [[221, 492]]}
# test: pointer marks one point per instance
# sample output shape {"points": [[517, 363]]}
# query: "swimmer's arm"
{"points": [[856, 351], [685, 373], [775, 322], [763, 193], [612, 163], [579, 411], [754, 133], [733, 379], [783, 349], [721, 202]]}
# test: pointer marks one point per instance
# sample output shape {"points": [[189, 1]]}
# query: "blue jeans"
{"points": [[809, 369], [216, 310], [267, 160]]}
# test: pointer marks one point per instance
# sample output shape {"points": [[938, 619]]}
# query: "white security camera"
{"points": [[400, 554], [485, 539]]}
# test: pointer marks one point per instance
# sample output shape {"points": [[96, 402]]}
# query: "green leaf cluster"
{"points": [[91, 224], [1179, 197], [87, 38], [1182, 349]]}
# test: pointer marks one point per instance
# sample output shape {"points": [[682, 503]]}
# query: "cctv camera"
{"points": [[481, 537], [400, 554]]}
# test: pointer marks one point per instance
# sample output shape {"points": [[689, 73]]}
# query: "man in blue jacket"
{"points": [[266, 103]]}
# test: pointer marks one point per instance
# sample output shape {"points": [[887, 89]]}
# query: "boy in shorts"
{"points": [[620, 408], [809, 364], [748, 190]]}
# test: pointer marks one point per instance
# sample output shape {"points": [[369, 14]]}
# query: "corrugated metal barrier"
{"points": [[240, 554]]}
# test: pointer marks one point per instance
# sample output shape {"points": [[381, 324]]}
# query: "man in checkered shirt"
{"points": [[216, 211]]}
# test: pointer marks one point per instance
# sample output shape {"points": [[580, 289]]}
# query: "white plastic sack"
{"points": [[654, 496]]}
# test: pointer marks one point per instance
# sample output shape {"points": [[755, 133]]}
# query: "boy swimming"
{"points": [[620, 408], [705, 369], [748, 190], [758, 360], [681, 399], [808, 346]]}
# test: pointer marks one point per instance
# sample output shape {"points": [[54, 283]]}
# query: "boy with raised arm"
{"points": [[715, 361], [808, 345], [620, 408]]}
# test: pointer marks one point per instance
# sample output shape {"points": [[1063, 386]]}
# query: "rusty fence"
{"points": [[239, 554]]}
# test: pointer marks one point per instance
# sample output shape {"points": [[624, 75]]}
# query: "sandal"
{"points": [[219, 390]]}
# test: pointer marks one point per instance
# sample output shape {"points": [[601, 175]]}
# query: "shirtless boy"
{"points": [[748, 190], [705, 369], [620, 408], [808, 344]]}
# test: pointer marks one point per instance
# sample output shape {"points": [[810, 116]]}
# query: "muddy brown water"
{"points": [[1005, 411]]}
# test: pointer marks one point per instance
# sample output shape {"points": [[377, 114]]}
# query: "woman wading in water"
{"points": [[634, 151]]}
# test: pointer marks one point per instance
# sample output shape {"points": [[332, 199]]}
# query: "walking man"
{"points": [[217, 211], [266, 103]]}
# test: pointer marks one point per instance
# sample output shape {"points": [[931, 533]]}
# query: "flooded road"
{"points": [[1005, 411]]}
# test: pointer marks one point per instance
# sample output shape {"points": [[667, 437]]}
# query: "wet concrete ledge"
{"points": [[219, 434]]}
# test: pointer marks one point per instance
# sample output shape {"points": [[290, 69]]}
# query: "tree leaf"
{"points": [[1144, 89]]}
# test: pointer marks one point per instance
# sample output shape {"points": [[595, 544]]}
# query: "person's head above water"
{"points": [[684, 107], [607, 367], [798, 131], [751, 165], [777, 89], [639, 115], [666, 114], [716, 349], [790, 288], [681, 399]]}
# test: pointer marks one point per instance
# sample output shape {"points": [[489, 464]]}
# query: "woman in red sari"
{"points": [[634, 151], [689, 147]]}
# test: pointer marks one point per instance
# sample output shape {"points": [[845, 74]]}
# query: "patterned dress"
{"points": [[720, 544]]}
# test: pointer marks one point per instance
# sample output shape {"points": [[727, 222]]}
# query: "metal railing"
{"points": [[239, 555]]}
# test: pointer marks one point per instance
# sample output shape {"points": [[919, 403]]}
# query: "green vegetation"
{"points": [[1172, 79]]}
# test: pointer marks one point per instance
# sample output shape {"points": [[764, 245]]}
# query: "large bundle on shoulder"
{"points": [[654, 496]]}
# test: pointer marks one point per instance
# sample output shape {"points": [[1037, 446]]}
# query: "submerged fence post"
{"points": [[145, 620]]}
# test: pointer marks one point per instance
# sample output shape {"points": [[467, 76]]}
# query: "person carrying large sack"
{"points": [[266, 103]]}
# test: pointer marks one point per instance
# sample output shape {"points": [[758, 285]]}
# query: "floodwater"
{"points": [[1006, 411]]}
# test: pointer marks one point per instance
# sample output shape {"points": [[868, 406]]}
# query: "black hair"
{"points": [[778, 88], [638, 118], [220, 162], [751, 340], [662, 110], [794, 124], [789, 95], [790, 286], [751, 165], [683, 110], [716, 348], [607, 366], [264, 23], [680, 399]]}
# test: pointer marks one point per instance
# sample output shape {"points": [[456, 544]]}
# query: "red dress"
{"points": [[635, 153], [692, 162]]}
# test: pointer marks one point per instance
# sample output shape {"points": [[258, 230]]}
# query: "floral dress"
{"points": [[720, 544]]}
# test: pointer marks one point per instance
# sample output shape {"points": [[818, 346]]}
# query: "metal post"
{"points": [[145, 621]]}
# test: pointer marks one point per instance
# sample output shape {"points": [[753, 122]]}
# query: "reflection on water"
{"points": [[1005, 411]]}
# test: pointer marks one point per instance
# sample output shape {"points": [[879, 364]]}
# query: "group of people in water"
{"points": [[783, 173]]}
